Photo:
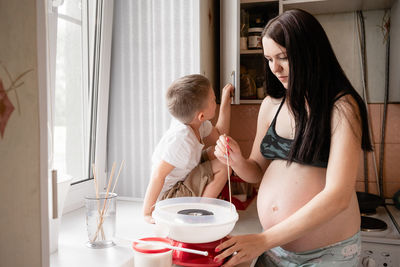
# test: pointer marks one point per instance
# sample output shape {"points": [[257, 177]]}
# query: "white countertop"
{"points": [[395, 213], [72, 249]]}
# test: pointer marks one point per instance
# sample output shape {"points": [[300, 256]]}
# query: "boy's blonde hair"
{"points": [[188, 95]]}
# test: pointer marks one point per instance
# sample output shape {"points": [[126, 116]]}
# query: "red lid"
{"points": [[136, 245]]}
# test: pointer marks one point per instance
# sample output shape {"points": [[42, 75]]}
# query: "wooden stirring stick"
{"points": [[227, 164]]}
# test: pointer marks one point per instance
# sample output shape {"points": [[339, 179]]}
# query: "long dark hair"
{"points": [[315, 80]]}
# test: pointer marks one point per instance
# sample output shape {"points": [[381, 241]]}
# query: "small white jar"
{"points": [[150, 255], [254, 38]]}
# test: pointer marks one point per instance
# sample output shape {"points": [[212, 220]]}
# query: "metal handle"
{"points": [[236, 97], [233, 74], [54, 193]]}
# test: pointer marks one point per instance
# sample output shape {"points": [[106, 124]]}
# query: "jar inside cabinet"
{"points": [[241, 54], [252, 86], [254, 17]]}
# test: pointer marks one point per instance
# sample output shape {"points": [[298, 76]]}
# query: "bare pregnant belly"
{"points": [[284, 190]]}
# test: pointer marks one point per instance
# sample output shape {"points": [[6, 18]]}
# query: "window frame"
{"points": [[97, 155], [43, 83]]}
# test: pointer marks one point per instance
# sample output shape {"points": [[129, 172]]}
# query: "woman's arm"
{"points": [[339, 189], [252, 169], [154, 188]]}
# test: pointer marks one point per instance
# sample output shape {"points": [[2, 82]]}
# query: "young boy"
{"points": [[181, 164]]}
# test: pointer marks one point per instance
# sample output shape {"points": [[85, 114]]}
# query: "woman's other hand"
{"points": [[226, 146], [242, 248]]}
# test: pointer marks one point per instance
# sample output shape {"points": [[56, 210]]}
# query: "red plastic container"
{"points": [[240, 205], [194, 260]]}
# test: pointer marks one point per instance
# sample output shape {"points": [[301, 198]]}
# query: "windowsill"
{"points": [[72, 249]]}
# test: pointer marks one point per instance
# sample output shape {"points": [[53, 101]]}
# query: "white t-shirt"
{"points": [[179, 147]]}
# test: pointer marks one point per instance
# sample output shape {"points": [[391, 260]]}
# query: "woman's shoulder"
{"points": [[268, 108], [345, 103], [346, 110], [270, 102]]}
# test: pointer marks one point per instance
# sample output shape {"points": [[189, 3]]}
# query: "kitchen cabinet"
{"points": [[334, 6], [241, 66], [205, 38]]}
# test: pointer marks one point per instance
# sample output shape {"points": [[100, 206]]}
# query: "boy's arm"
{"points": [[154, 188], [224, 118]]}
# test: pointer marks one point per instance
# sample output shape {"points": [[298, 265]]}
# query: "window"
{"points": [[79, 34], [72, 93]]}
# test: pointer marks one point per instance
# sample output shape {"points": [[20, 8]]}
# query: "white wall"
{"points": [[342, 32], [20, 220]]}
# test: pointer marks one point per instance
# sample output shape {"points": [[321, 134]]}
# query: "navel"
{"points": [[274, 207]]}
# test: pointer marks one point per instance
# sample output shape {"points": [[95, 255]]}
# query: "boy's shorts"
{"points": [[344, 254], [194, 184]]}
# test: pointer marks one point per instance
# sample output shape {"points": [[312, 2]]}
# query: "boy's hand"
{"points": [[227, 93], [149, 219]]}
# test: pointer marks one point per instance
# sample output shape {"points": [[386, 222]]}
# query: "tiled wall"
{"points": [[244, 124], [391, 156]]}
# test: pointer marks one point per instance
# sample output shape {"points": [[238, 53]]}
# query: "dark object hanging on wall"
{"points": [[396, 199], [369, 202]]}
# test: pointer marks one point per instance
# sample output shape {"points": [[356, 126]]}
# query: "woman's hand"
{"points": [[225, 147], [242, 248]]}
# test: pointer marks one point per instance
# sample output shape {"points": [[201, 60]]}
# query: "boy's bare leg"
{"points": [[220, 172]]}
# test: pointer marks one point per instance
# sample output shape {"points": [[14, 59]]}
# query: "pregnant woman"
{"points": [[311, 129]]}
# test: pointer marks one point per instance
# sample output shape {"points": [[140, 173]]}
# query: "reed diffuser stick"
{"points": [[99, 226], [105, 207], [96, 187], [108, 190], [116, 181], [119, 172]]}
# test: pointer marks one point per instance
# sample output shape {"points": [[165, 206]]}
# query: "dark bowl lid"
{"points": [[368, 201]]}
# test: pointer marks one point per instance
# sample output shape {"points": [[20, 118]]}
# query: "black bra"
{"points": [[275, 147]]}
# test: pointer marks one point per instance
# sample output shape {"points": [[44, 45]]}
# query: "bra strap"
{"points": [[339, 96], [277, 112]]}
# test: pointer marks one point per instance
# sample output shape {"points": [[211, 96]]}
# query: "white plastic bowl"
{"points": [[151, 255], [192, 228]]}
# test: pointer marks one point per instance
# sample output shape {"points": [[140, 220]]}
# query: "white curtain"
{"points": [[154, 42]]}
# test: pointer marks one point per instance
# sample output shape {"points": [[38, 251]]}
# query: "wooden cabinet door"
{"points": [[229, 45]]}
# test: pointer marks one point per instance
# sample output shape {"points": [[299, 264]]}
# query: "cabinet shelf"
{"points": [[256, 1], [250, 51], [251, 101]]}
